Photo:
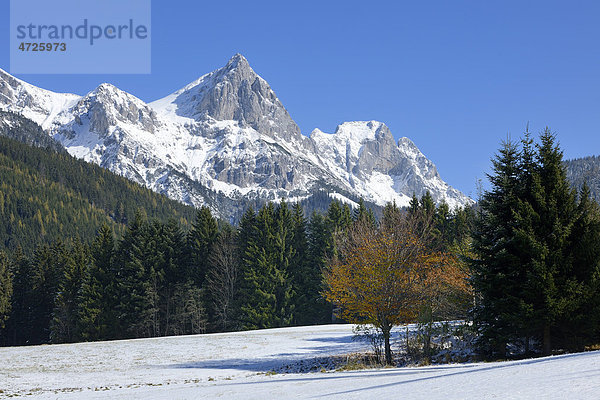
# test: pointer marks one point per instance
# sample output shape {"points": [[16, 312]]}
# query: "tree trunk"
{"points": [[547, 340], [427, 342], [388, 349]]}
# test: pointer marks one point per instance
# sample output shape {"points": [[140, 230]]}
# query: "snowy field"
{"points": [[238, 365]]}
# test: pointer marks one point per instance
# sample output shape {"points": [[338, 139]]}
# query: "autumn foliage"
{"points": [[386, 275]]}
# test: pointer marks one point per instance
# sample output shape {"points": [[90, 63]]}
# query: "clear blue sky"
{"points": [[454, 76]]}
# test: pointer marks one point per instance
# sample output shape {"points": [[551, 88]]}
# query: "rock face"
{"points": [[234, 93], [225, 140], [364, 154]]}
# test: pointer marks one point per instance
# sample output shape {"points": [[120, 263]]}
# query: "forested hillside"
{"points": [[585, 170], [46, 195], [156, 280], [24, 130]]}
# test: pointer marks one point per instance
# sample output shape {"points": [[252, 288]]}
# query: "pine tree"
{"points": [[442, 221]]}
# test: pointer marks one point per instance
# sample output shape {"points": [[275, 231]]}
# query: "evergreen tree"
{"points": [[442, 221], [223, 280], [98, 294], [320, 249], [299, 264], [6, 290], [247, 232], [494, 244], [131, 286], [265, 292], [555, 201], [413, 205], [19, 327], [173, 248], [580, 323], [47, 268], [257, 297], [363, 213], [201, 237], [63, 327], [284, 253], [535, 271], [339, 217], [154, 270]]}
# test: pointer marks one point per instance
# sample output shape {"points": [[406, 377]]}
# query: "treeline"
{"points": [[158, 280], [536, 268], [46, 195]]}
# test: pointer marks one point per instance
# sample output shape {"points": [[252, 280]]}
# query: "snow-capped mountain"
{"points": [[34, 103], [226, 139]]}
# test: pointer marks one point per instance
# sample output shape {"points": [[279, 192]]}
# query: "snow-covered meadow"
{"points": [[240, 365]]}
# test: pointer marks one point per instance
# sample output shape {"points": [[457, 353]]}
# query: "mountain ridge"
{"points": [[228, 133]]}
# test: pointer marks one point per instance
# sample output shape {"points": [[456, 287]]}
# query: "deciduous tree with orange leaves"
{"points": [[385, 275]]}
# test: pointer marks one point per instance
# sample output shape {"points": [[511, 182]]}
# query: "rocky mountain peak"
{"points": [[233, 93], [238, 61], [103, 108], [226, 139]]}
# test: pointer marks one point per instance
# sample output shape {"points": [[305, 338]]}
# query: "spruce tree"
{"points": [[580, 323], [173, 249], [320, 250], [19, 327], [299, 264], [284, 253], [46, 276], [536, 270], [201, 237], [6, 290], [131, 282], [64, 324], [97, 320], [555, 201], [363, 213], [494, 244], [257, 288]]}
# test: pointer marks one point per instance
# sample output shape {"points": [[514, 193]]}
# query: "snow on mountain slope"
{"points": [[37, 104], [236, 365], [225, 139], [232, 93], [364, 154]]}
